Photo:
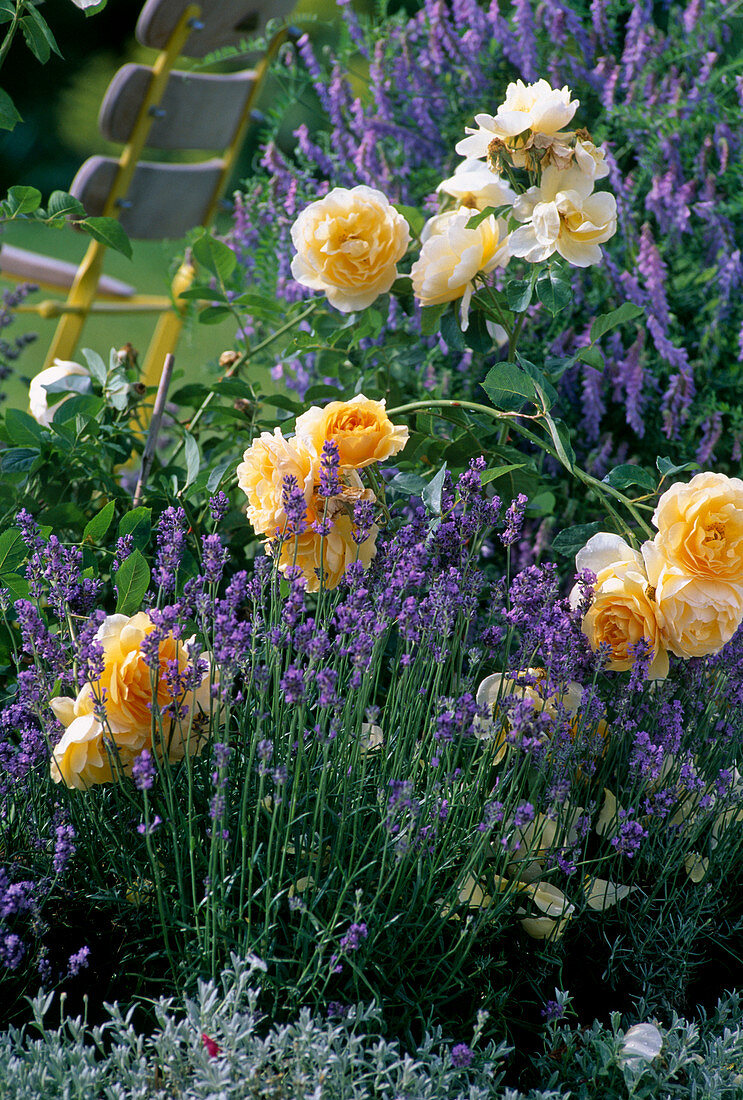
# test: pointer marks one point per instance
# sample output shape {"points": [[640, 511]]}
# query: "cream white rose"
{"points": [[563, 216], [38, 404], [537, 107], [700, 527], [623, 609], [590, 159], [473, 185], [452, 255], [697, 614], [348, 245]]}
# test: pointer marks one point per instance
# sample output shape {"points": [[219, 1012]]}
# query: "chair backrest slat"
{"points": [[164, 201], [223, 22], [196, 111]]}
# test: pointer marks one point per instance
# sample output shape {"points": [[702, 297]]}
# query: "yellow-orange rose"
{"points": [[700, 527], [348, 245], [332, 554], [81, 759], [360, 428], [125, 689], [697, 614], [623, 610], [267, 461]]}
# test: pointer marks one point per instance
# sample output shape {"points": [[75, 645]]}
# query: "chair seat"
{"points": [[163, 202], [221, 23], [34, 267], [196, 111]]}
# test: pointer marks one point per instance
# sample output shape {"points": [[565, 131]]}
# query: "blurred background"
{"points": [[59, 104]]}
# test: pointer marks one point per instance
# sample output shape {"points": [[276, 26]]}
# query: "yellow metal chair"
{"points": [[156, 107]]}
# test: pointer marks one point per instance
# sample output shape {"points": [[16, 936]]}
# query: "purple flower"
{"points": [[171, 542], [330, 486], [514, 520], [143, 771], [295, 506], [218, 506], [461, 1056], [552, 1010], [78, 961]]}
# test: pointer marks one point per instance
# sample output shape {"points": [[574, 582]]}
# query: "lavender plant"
{"points": [[389, 788]]}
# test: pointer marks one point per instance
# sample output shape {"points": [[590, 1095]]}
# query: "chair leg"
{"points": [[81, 295], [168, 328]]}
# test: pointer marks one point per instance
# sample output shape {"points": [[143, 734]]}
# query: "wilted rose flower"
{"points": [[348, 245], [697, 614], [267, 462], [623, 610], [474, 185], [38, 401], [700, 527], [563, 216], [452, 255], [124, 691], [360, 428]]}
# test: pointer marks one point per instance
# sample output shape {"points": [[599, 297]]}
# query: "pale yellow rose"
{"points": [[698, 615], [529, 845], [268, 460], [700, 527], [348, 245], [452, 255], [554, 908], [474, 186], [623, 609], [538, 107], [360, 428], [499, 686], [330, 554], [590, 159], [80, 759], [126, 690], [563, 215], [38, 401]]}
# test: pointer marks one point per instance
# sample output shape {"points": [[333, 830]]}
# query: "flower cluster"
{"points": [[305, 493], [683, 591], [150, 697], [349, 242]]}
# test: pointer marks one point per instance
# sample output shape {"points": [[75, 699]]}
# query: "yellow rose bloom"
{"points": [[360, 428], [623, 610], [698, 615], [452, 255], [267, 461], [700, 527], [332, 553], [348, 245], [125, 688], [80, 758]]}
